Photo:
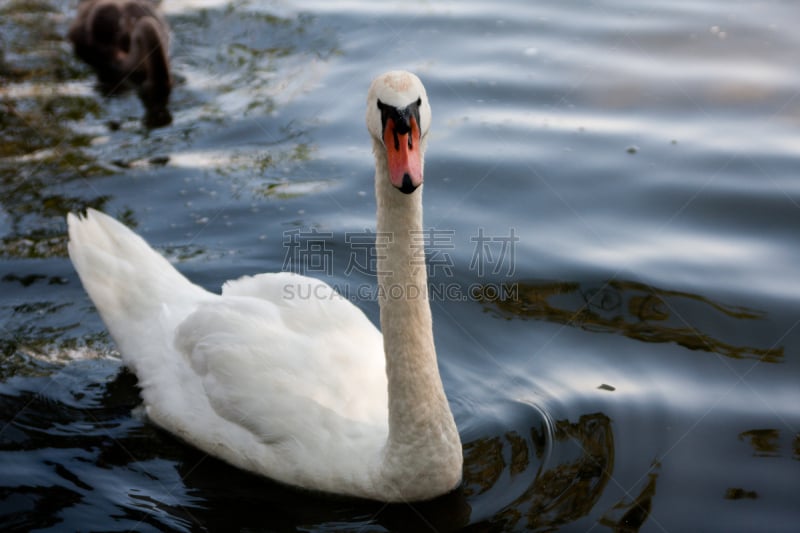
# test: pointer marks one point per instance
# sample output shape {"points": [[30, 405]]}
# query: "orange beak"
{"points": [[403, 153]]}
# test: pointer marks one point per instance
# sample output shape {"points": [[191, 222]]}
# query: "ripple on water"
{"points": [[644, 371]]}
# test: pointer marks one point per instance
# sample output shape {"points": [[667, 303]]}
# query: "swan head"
{"points": [[398, 118]]}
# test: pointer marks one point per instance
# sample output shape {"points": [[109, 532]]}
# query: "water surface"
{"points": [[611, 206]]}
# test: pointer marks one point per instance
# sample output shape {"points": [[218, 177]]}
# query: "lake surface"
{"points": [[612, 206]]}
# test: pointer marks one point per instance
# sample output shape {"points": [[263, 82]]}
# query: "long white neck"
{"points": [[423, 451]]}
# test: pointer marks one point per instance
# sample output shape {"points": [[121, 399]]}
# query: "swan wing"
{"points": [[286, 365]]}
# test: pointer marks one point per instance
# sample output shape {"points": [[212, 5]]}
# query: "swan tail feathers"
{"points": [[128, 281]]}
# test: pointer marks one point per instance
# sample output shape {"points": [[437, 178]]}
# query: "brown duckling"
{"points": [[125, 42]]}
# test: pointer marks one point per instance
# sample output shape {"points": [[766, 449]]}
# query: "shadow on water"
{"points": [[635, 310]]}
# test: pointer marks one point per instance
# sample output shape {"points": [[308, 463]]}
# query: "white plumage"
{"points": [[279, 375]]}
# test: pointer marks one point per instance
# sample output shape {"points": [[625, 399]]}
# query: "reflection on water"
{"points": [[535, 106], [635, 310], [573, 465], [765, 442], [60, 140], [39, 144], [54, 134], [632, 515]]}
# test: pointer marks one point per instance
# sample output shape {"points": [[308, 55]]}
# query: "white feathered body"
{"points": [[247, 375]]}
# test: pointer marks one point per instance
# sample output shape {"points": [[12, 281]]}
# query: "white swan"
{"points": [[279, 375]]}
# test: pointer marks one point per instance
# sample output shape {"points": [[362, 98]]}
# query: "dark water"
{"points": [[613, 207]]}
